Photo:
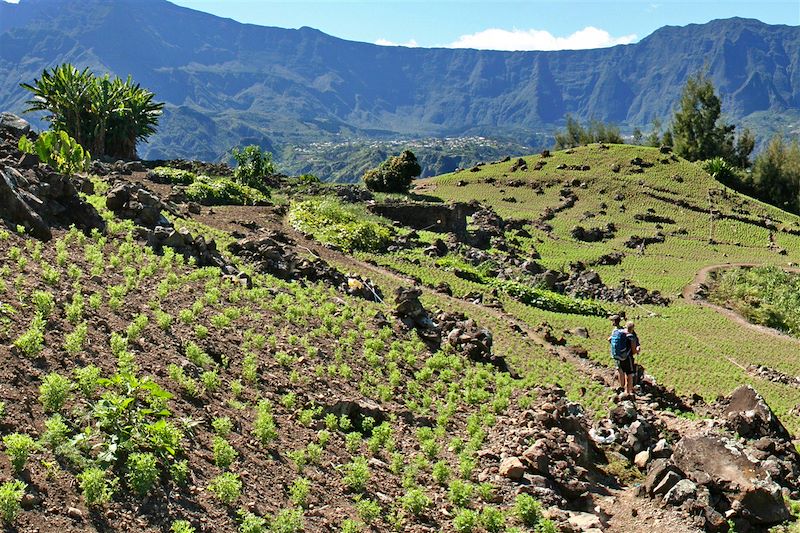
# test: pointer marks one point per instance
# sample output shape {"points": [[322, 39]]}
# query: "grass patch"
{"points": [[348, 227]]}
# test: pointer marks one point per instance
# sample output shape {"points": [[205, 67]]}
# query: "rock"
{"points": [[512, 468], [74, 513], [721, 465], [682, 491], [667, 482], [641, 459], [749, 415], [584, 522], [537, 456], [662, 450], [624, 413], [18, 126]]}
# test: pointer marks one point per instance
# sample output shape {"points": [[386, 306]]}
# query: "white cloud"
{"points": [[499, 39], [11, 1], [385, 42]]}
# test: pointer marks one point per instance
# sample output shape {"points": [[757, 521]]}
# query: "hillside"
{"points": [[228, 83], [181, 366]]}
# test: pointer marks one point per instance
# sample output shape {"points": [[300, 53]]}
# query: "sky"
{"points": [[492, 24]]}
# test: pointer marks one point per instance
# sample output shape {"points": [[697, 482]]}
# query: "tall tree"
{"points": [[776, 174], [697, 130]]}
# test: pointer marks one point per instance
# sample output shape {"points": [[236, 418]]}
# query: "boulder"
{"points": [[747, 414], [723, 467], [16, 125], [670, 479]]}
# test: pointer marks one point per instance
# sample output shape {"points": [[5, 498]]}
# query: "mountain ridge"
{"points": [[227, 83]]}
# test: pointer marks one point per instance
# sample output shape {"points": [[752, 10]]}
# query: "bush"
{"points": [[175, 176], [347, 227], [18, 447], [222, 191], [393, 175], [142, 472], [720, 170], [224, 453], [11, 493], [252, 165], [59, 150]]}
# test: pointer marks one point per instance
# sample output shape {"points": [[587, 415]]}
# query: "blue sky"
{"points": [[533, 24]]}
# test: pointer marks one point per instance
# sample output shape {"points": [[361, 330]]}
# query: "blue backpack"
{"points": [[620, 349]]}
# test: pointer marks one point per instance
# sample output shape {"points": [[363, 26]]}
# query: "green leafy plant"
{"points": [[415, 501], [356, 474], [299, 491], [224, 453], [54, 392], [142, 472], [11, 493], [171, 175], [264, 427], [287, 521], [96, 486], [251, 523], [59, 150], [107, 116], [181, 526], [332, 222], [227, 487], [465, 521], [253, 164], [19, 447], [528, 510], [222, 191]]}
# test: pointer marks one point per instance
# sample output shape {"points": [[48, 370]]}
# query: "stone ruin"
{"points": [[32, 194], [441, 218]]}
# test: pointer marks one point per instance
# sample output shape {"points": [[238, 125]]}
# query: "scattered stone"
{"points": [[682, 491], [512, 468]]}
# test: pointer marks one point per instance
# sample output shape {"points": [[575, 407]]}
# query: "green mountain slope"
{"points": [[228, 83]]}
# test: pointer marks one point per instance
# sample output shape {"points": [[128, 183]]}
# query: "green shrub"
{"points": [[31, 341], [87, 378], [54, 392], [368, 510], [264, 427], [56, 432], [393, 175], [492, 519], [97, 489], [222, 191], [227, 487], [44, 303], [351, 526], [175, 176], [18, 447], [347, 227], [252, 165], [222, 426], [720, 170], [299, 491], [59, 150], [11, 493], [460, 493], [142, 472]]}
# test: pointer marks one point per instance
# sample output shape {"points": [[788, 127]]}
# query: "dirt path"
{"points": [[692, 294]]}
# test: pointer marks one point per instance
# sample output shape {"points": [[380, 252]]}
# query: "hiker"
{"points": [[622, 350], [633, 338]]}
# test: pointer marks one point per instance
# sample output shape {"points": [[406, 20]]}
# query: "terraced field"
{"points": [[692, 348]]}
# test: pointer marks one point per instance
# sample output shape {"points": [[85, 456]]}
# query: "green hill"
{"points": [[686, 345]]}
